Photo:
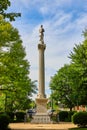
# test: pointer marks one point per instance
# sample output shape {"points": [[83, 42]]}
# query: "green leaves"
{"points": [[14, 68], [61, 86], [69, 84], [4, 4], [11, 16]]}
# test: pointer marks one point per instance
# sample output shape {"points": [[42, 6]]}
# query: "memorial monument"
{"points": [[41, 100]]}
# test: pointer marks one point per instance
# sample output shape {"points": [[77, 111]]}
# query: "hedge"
{"points": [[80, 119], [4, 121]]}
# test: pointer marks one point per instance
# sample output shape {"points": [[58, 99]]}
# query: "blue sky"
{"points": [[63, 21]]}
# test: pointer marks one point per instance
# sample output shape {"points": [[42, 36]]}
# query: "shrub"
{"points": [[54, 118], [4, 121], [20, 116], [70, 114], [63, 115], [80, 118], [11, 115]]}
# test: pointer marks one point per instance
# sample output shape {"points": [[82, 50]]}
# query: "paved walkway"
{"points": [[28, 126]]}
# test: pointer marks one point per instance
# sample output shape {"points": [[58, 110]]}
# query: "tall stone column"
{"points": [[41, 93], [41, 49]]}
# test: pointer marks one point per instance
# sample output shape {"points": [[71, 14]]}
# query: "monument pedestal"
{"points": [[41, 106], [41, 116]]}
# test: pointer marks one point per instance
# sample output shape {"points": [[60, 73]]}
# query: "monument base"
{"points": [[41, 114], [41, 119], [41, 104]]}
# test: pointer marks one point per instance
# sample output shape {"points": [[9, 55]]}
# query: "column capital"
{"points": [[42, 46]]}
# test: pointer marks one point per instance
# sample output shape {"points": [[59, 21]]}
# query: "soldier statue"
{"points": [[41, 34]]}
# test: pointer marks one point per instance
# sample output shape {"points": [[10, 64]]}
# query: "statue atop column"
{"points": [[41, 34]]}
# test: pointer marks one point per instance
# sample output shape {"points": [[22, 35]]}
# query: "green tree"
{"points": [[79, 61], [69, 84], [61, 85], [4, 4], [14, 69]]}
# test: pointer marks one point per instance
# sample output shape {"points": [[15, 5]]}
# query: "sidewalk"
{"points": [[28, 126]]}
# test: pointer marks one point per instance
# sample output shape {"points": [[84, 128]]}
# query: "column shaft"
{"points": [[41, 48]]}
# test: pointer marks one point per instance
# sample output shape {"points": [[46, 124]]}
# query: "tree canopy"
{"points": [[69, 84], [61, 85], [79, 61], [4, 4], [15, 83]]}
